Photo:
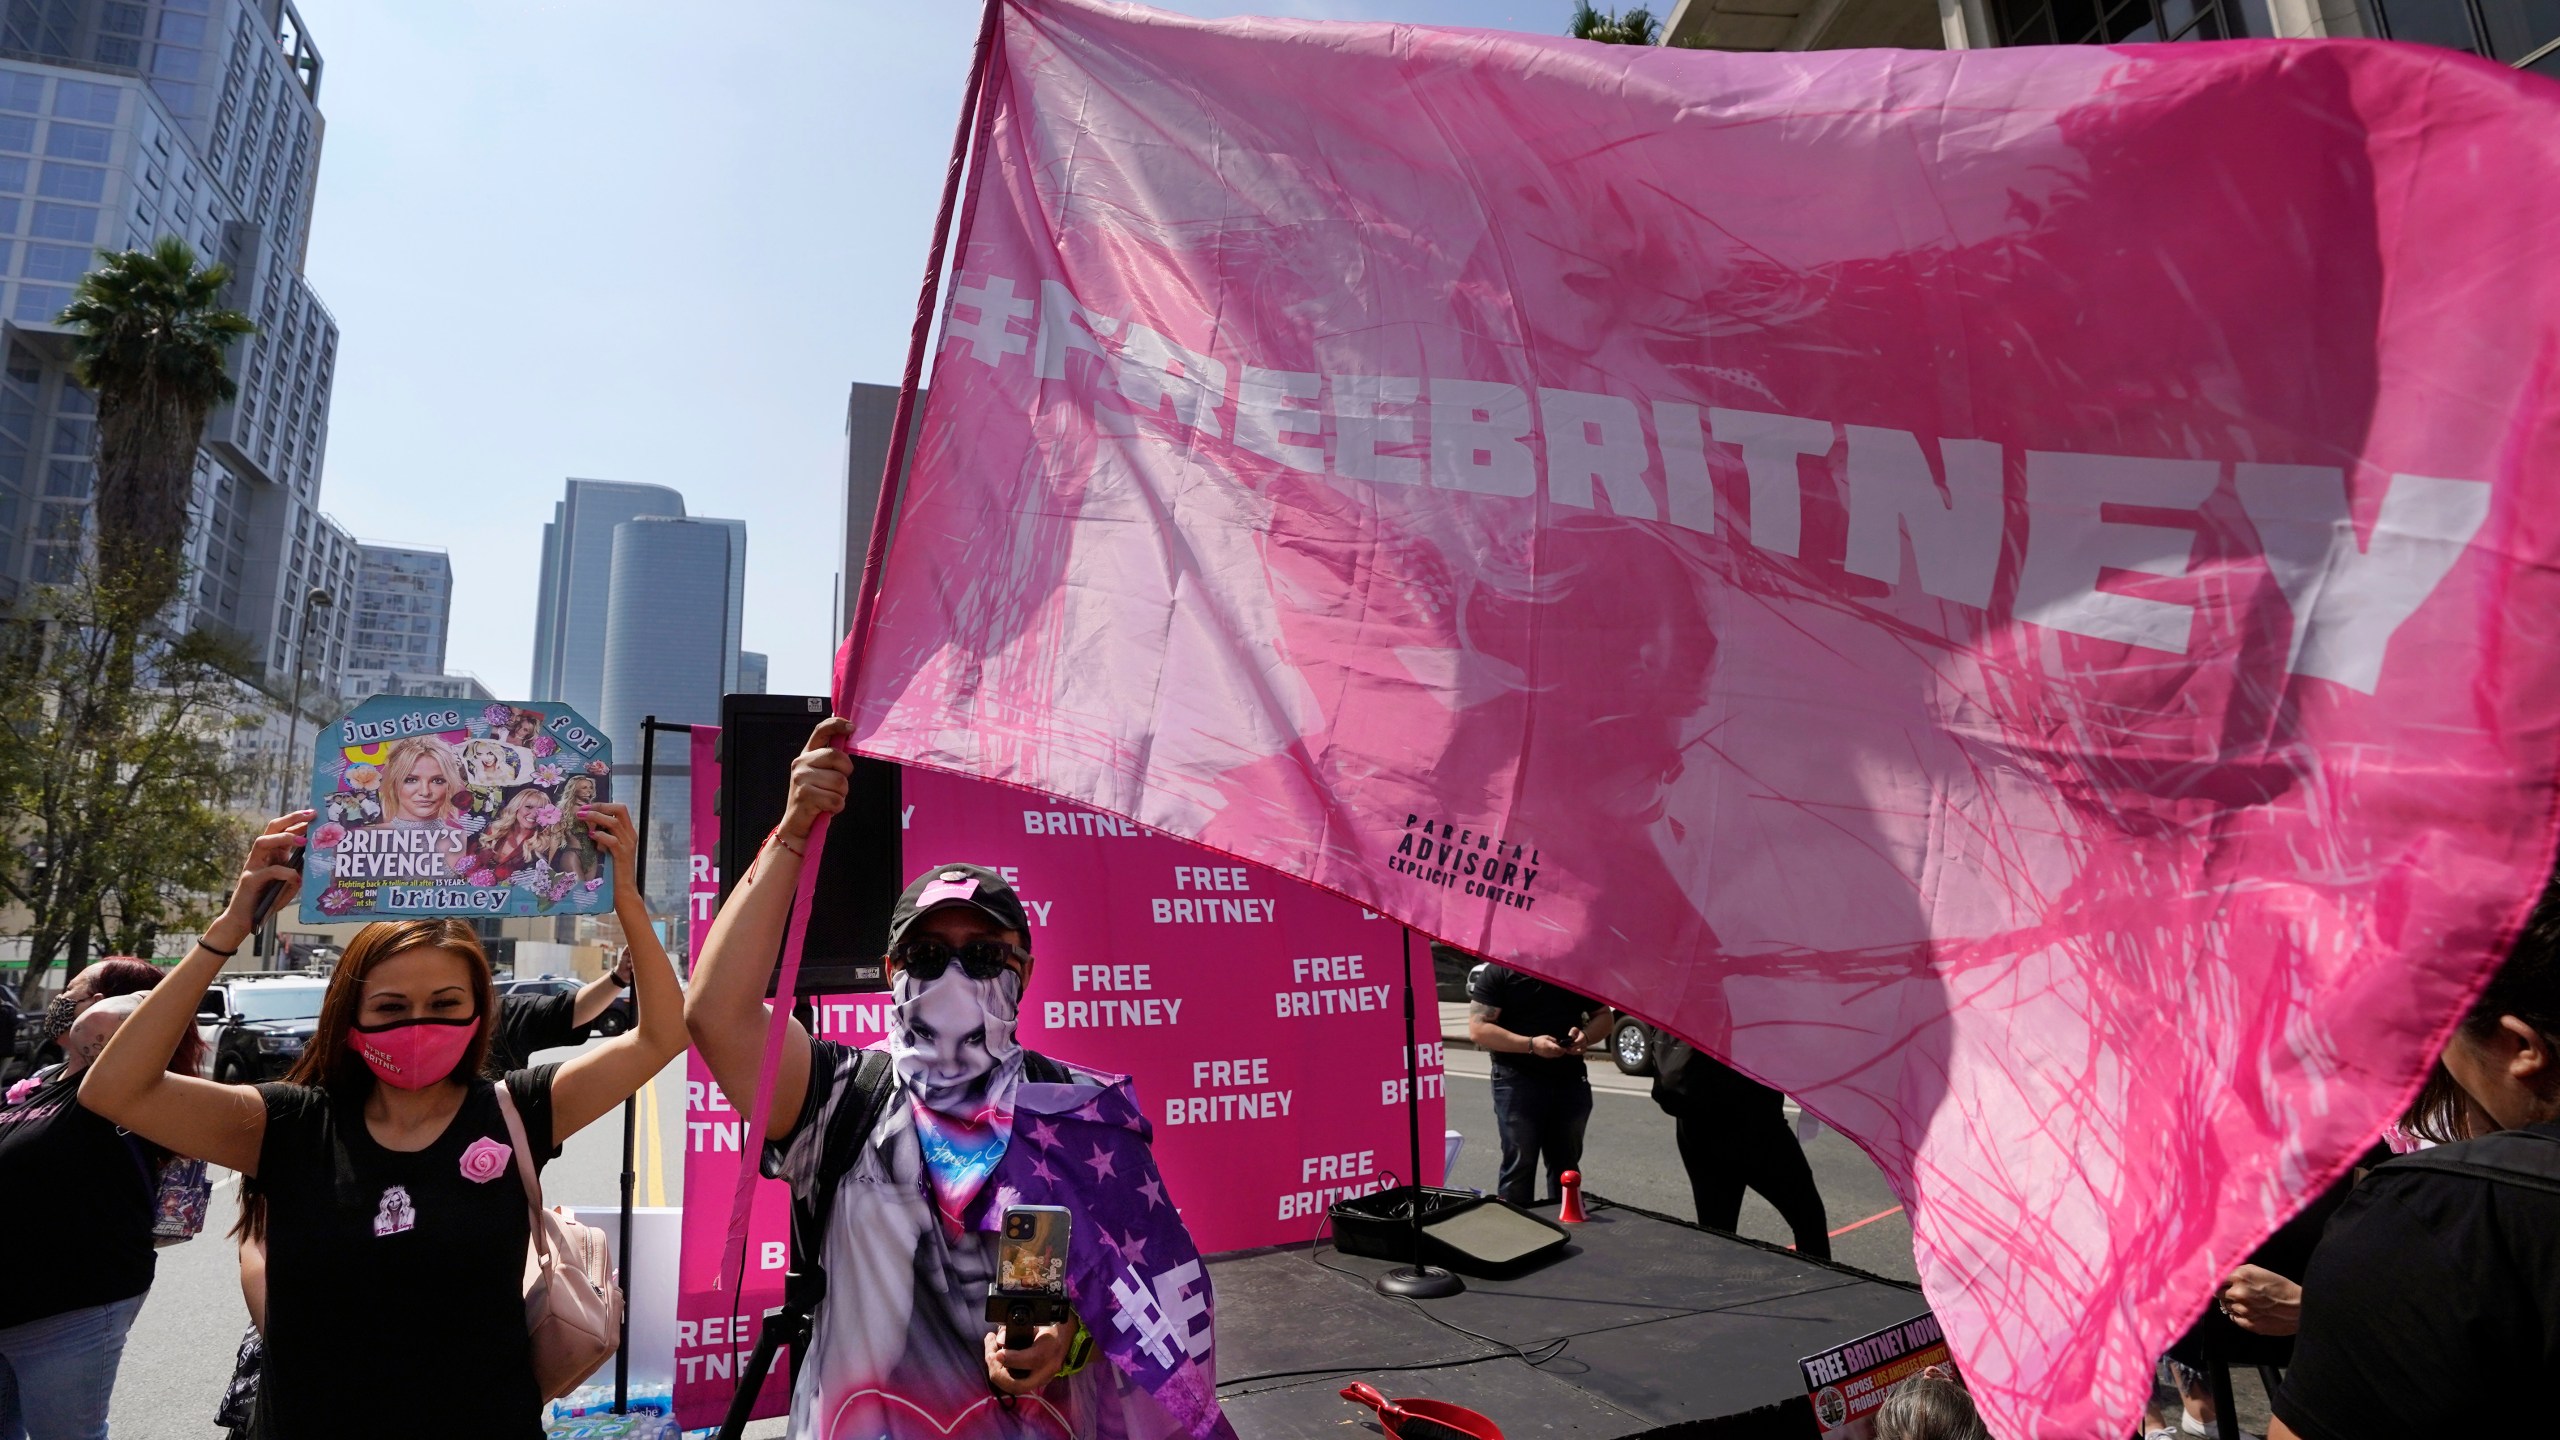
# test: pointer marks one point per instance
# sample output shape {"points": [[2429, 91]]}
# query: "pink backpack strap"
{"points": [[524, 1166]]}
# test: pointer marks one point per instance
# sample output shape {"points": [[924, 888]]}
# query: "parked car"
{"points": [[1633, 1044], [254, 1026], [615, 1019]]}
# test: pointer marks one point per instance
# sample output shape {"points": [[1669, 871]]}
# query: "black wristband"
{"points": [[204, 944]]}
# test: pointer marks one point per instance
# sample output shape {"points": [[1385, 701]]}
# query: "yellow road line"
{"points": [[656, 1193]]}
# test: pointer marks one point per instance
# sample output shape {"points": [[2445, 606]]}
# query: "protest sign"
{"points": [[443, 807], [1907, 570], [1261, 1021], [1847, 1382]]}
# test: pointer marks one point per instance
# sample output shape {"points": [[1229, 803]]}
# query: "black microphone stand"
{"points": [[1416, 1281]]}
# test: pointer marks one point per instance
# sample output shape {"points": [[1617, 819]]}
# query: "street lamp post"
{"points": [[317, 599]]}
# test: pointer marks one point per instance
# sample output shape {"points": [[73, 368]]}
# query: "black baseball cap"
{"points": [[975, 886]]}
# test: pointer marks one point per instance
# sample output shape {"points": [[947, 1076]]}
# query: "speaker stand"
{"points": [[1416, 1281]]}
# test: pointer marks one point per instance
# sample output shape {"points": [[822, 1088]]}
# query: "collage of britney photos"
{"points": [[442, 807]]}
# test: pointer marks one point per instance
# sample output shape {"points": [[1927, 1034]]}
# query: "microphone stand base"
{"points": [[1420, 1282]]}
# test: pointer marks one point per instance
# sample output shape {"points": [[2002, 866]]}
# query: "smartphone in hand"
{"points": [[268, 898], [1030, 1288]]}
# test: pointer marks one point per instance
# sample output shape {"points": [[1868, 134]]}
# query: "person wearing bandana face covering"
{"points": [[380, 1183], [901, 1348], [116, 975]]}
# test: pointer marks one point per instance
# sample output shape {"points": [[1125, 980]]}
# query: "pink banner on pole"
{"points": [[2008, 593], [1260, 1020]]}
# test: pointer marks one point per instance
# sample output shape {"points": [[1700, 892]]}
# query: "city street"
{"points": [[179, 1356]]}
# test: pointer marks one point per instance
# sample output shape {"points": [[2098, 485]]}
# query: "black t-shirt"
{"points": [[527, 1023], [1531, 1007], [2432, 1301], [395, 1280], [78, 1194]]}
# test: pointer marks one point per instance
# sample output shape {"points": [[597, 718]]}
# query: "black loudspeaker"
{"points": [[863, 867]]}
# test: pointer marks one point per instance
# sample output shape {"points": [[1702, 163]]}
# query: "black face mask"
{"points": [[59, 1015]]}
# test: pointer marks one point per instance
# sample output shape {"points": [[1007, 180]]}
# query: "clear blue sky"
{"points": [[638, 240]]}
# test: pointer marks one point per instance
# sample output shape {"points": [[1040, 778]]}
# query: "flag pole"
{"points": [[849, 659]]}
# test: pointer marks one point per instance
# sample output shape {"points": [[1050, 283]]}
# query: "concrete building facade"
{"points": [[403, 605], [869, 415], [2522, 33]]}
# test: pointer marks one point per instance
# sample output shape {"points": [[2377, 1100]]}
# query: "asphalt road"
{"points": [[1628, 1155]]}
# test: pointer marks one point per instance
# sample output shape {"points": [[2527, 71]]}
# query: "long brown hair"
{"points": [[332, 1064], [328, 1061]]}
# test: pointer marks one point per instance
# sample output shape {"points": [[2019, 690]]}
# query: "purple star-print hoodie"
{"points": [[1132, 1272]]}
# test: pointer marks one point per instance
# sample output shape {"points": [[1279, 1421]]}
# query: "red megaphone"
{"points": [[1571, 1211]]}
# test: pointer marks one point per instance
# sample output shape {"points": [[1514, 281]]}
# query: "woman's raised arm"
{"points": [[602, 1075], [130, 1082], [725, 1008]]}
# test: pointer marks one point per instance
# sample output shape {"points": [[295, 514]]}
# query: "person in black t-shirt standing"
{"points": [[382, 1177], [1536, 1032], [527, 1023], [84, 1195], [2433, 1298]]}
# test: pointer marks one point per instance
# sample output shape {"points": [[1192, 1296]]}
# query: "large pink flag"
{"points": [[2009, 593]]}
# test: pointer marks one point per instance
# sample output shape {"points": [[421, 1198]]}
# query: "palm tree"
{"points": [[153, 348], [1636, 27]]}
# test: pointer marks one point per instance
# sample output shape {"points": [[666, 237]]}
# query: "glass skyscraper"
{"points": [[122, 121]]}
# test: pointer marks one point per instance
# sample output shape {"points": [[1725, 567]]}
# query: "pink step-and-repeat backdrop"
{"points": [[1259, 1017]]}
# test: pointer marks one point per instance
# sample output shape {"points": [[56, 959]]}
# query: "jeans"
{"points": [[1542, 1116], [56, 1373], [1747, 1142]]}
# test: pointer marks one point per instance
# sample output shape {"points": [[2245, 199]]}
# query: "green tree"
{"points": [[117, 800], [1636, 27], [153, 346], [117, 770]]}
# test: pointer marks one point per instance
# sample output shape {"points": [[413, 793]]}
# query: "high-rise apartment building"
{"points": [[403, 602], [122, 121], [576, 587]]}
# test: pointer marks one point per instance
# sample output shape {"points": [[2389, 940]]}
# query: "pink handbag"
{"points": [[572, 1301]]}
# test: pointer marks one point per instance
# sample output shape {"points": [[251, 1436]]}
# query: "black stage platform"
{"points": [[1668, 1330]]}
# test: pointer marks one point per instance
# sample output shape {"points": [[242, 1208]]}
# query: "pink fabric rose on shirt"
{"points": [[485, 1161]]}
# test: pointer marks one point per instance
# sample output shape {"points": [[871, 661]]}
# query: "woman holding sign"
{"points": [[380, 1171]]}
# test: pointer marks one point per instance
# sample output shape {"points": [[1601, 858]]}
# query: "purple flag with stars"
{"points": [[1132, 1271]]}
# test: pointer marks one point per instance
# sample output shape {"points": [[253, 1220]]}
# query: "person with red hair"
{"points": [[92, 1190]]}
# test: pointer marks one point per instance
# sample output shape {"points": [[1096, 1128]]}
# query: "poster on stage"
{"points": [[427, 807], [1847, 1382]]}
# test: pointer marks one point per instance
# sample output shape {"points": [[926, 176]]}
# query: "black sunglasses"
{"points": [[927, 956]]}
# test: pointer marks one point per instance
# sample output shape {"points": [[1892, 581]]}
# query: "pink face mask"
{"points": [[414, 1054]]}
